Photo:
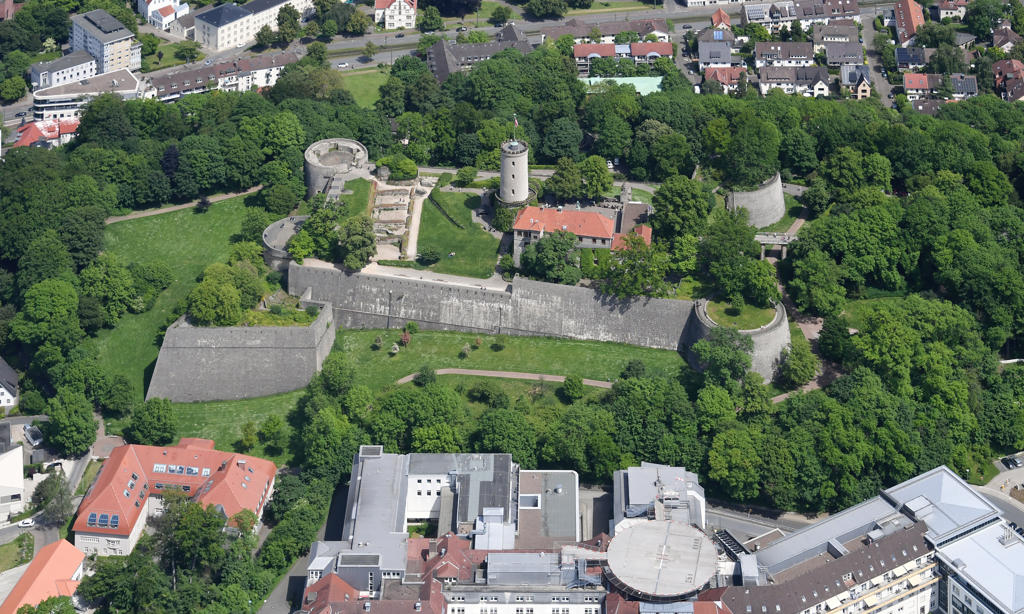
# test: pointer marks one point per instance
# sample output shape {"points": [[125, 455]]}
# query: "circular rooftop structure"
{"points": [[660, 560], [275, 241]]}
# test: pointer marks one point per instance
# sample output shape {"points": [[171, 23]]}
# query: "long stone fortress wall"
{"points": [[526, 307], [198, 363], [766, 204]]}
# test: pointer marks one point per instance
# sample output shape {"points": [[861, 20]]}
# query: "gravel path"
{"points": [[162, 210], [541, 377]]}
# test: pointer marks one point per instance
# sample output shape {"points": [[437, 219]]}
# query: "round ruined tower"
{"points": [[515, 173]]}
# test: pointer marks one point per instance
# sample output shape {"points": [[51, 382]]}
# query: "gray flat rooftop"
{"points": [[484, 480], [993, 560], [660, 558], [943, 501], [554, 520], [119, 81], [646, 482], [375, 514], [277, 234]]}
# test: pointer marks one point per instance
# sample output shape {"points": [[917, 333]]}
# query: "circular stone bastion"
{"points": [[329, 158], [275, 241], [769, 340], [765, 205]]}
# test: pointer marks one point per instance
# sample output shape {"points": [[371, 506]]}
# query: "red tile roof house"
{"points": [[640, 53], [129, 488], [729, 76], [49, 133], [54, 572], [917, 85], [1006, 70], [720, 19], [909, 17], [592, 229]]}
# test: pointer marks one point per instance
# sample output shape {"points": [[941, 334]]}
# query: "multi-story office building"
{"points": [[107, 40], [72, 67]]}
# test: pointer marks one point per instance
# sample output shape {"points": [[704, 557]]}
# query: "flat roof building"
{"points": [[107, 40]]}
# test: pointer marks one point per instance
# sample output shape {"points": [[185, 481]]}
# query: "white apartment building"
{"points": [[107, 40], [395, 14], [230, 25], [240, 75], [75, 66], [67, 101]]}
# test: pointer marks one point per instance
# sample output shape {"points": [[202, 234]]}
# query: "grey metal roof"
{"points": [[258, 6], [375, 514], [992, 560], [75, 58], [223, 15], [910, 55], [8, 377], [952, 506], [644, 483], [852, 74], [714, 52], [523, 569], [102, 25]]}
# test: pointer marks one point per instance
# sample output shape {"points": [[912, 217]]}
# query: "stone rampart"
{"points": [[769, 340], [198, 363], [526, 307], [766, 205]]}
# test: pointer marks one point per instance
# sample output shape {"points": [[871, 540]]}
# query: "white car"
{"points": [[28, 522], [343, 65]]}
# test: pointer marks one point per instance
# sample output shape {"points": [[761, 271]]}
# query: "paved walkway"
{"points": [[494, 282], [540, 377], [162, 210], [412, 247]]}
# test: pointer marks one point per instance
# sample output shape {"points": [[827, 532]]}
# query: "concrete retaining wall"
{"points": [[215, 364], [766, 205]]}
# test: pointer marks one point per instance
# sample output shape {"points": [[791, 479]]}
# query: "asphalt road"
{"points": [[874, 60]]}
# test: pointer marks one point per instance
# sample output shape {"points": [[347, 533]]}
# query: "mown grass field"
{"points": [[184, 241], [364, 85], [169, 59], [747, 318], [476, 250], [589, 359]]}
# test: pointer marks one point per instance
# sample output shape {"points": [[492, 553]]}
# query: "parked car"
{"points": [[28, 522], [21, 114], [33, 435], [400, 35], [461, 29], [343, 65], [687, 26]]}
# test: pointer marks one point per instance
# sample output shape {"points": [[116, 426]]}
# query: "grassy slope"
{"points": [[476, 251], [184, 241], [589, 359], [748, 318], [364, 85], [10, 553]]}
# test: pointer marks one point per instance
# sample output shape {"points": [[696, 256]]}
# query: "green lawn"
{"points": [[91, 471], [611, 7], [857, 311], [476, 250], [168, 49], [792, 213], [589, 359], [364, 85], [747, 318], [17, 552], [184, 241], [480, 17], [358, 202]]}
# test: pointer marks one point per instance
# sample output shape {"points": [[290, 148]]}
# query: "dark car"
{"points": [[400, 35], [21, 114], [687, 26]]}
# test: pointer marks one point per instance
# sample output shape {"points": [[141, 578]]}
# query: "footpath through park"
{"points": [[539, 377]]}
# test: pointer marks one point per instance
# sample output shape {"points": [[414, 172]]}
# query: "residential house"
{"points": [[8, 385], [639, 53], [728, 76], [395, 14], [716, 54], [12, 483], [161, 13], [241, 75], [912, 58], [49, 134], [130, 486], [928, 106], [72, 67], [834, 33], [184, 26], [112, 45], [813, 12], [1009, 77], [953, 9], [963, 86], [710, 35], [918, 85], [806, 80], [55, 571], [844, 54], [447, 57], [1013, 90], [720, 19], [909, 17], [772, 15], [963, 39], [67, 101], [229, 25], [1005, 38], [580, 31], [783, 54], [857, 78]]}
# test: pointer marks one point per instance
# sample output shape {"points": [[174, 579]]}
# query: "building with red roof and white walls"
{"points": [[592, 229], [48, 133], [395, 14], [130, 485], [160, 13], [54, 572]]}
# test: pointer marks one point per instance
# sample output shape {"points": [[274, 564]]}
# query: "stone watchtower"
{"points": [[515, 173]]}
